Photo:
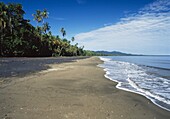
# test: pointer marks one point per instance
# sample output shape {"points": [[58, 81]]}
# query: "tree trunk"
{"points": [[2, 34], [61, 51]]}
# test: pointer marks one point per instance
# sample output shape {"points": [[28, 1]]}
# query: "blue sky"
{"points": [[133, 26]]}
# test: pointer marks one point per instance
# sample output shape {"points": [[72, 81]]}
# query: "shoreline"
{"points": [[74, 90], [118, 86]]}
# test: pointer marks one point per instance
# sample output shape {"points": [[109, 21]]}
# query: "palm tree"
{"points": [[39, 30], [3, 24], [72, 39], [17, 19], [76, 44], [46, 27], [63, 32], [44, 14], [38, 16]]}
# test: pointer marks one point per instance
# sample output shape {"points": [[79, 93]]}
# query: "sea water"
{"points": [[145, 75]]}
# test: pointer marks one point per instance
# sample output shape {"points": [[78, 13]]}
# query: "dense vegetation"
{"points": [[19, 38]]}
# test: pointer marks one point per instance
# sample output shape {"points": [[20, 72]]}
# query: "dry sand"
{"points": [[76, 90]]}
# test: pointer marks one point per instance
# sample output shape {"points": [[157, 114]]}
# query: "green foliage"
{"points": [[20, 38], [40, 15]]}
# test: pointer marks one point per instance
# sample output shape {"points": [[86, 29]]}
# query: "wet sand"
{"points": [[73, 90], [22, 66]]}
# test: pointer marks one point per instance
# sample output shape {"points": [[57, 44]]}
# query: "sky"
{"points": [[131, 26]]}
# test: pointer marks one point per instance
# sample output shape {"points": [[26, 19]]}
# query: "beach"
{"points": [[12, 67], [73, 90]]}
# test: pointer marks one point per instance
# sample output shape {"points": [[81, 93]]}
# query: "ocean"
{"points": [[145, 75]]}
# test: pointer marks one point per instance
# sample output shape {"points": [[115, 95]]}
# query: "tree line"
{"points": [[19, 38]]}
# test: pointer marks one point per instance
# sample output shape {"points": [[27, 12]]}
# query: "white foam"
{"points": [[104, 59], [136, 79]]}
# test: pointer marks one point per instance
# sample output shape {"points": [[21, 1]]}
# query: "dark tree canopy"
{"points": [[20, 38]]}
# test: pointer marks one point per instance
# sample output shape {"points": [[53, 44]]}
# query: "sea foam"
{"points": [[134, 78]]}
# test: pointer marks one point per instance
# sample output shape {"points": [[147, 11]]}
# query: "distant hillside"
{"points": [[113, 53]]}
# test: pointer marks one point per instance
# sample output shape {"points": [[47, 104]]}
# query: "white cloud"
{"points": [[147, 31]]}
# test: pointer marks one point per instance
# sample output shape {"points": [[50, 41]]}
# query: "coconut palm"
{"points": [[3, 24], [38, 16], [72, 39], [63, 32], [44, 13], [19, 38], [46, 27]]}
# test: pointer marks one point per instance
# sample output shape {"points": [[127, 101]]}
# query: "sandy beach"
{"points": [[73, 90]]}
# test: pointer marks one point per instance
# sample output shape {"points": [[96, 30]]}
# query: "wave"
{"points": [[133, 78], [157, 67]]}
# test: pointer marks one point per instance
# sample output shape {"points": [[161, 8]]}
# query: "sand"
{"points": [[75, 90]]}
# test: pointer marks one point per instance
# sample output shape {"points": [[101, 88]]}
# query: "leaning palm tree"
{"points": [[39, 17]]}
